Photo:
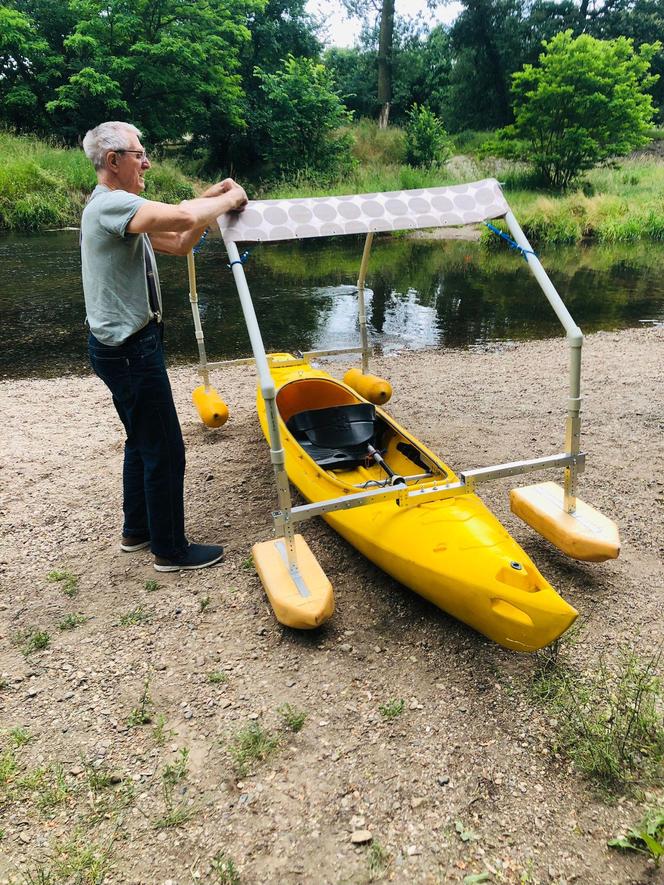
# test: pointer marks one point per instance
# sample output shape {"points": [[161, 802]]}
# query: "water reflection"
{"points": [[424, 294]]}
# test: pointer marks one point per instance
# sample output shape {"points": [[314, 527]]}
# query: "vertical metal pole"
{"points": [[269, 395], [193, 300], [361, 306], [575, 339]]}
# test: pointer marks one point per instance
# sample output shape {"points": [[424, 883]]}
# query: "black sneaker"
{"points": [[195, 556], [131, 543]]}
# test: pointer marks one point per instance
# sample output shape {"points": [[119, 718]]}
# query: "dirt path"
{"points": [[463, 781]]}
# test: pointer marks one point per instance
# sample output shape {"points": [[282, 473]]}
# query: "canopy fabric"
{"points": [[268, 220]]}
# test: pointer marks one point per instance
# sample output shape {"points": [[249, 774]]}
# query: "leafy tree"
{"points": [[169, 65], [300, 118], [281, 28], [488, 39], [427, 142], [28, 67], [587, 101]]}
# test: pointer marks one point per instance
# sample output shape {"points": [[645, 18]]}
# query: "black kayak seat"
{"points": [[335, 437]]}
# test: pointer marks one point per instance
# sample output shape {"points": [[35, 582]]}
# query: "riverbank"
{"points": [[120, 737], [42, 186]]}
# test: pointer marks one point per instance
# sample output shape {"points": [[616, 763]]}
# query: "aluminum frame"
{"points": [[572, 459]]}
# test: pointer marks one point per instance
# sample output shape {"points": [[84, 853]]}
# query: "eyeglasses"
{"points": [[142, 155]]}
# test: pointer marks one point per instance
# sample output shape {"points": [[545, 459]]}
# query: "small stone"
{"points": [[345, 646], [443, 780], [412, 850], [361, 837], [416, 801]]}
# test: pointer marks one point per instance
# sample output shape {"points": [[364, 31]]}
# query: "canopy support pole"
{"points": [[575, 339], [269, 395], [361, 305], [200, 340]]}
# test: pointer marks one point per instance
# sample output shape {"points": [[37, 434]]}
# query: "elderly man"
{"points": [[120, 232]]}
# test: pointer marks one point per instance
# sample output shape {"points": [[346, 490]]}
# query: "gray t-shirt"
{"points": [[115, 285]]}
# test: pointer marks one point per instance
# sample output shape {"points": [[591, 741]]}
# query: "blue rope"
{"points": [[241, 260], [510, 242], [197, 248]]}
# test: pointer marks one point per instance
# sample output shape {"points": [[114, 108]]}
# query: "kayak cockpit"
{"points": [[350, 438]]}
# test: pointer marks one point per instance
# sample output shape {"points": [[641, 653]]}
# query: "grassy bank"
{"points": [[44, 186]]}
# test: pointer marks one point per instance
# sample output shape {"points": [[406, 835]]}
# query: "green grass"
{"points": [[250, 744], [72, 621], [32, 640], [217, 677], [67, 581], [609, 719], [392, 709], [144, 712], [135, 617], [151, 585], [223, 869], [292, 718], [44, 185]]}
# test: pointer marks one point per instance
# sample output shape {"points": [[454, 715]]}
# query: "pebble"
{"points": [[360, 837], [443, 780]]}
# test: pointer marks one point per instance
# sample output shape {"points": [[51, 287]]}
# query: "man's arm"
{"points": [[175, 229]]}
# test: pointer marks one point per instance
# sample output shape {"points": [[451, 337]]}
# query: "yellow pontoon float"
{"points": [[373, 481]]}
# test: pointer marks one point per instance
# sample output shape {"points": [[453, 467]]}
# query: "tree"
{"points": [[280, 29], [28, 68], [587, 101], [488, 42], [427, 143], [169, 65], [300, 118]]}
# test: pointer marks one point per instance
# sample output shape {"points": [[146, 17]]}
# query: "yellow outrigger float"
{"points": [[375, 483]]}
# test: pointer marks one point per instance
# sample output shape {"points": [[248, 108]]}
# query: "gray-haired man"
{"points": [[120, 233]]}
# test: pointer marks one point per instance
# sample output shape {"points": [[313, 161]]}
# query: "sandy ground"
{"points": [[470, 756]]}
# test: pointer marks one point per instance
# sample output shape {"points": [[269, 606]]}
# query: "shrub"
{"points": [[427, 143], [587, 101], [300, 119]]}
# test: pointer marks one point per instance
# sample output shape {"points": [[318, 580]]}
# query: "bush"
{"points": [[427, 143], [587, 101], [300, 120]]}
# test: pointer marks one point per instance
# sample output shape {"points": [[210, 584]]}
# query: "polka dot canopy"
{"points": [[267, 220]]}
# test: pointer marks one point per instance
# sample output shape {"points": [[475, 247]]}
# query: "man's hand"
{"points": [[237, 196], [219, 188]]}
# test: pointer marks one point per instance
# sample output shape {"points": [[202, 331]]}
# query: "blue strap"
{"points": [[197, 248], [510, 242], [241, 260]]}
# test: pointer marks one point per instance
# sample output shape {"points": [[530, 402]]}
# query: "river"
{"points": [[424, 294]]}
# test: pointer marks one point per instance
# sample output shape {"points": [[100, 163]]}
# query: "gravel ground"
{"points": [[464, 781]]}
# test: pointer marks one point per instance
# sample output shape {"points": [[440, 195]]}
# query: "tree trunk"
{"points": [[385, 61]]}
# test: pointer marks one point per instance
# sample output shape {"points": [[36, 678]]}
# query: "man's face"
{"points": [[131, 165]]}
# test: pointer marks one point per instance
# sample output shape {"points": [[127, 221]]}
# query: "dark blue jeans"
{"points": [[153, 474]]}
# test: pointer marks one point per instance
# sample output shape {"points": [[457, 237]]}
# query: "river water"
{"points": [[424, 294]]}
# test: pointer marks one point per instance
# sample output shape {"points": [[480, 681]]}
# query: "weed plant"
{"points": [[251, 744], [31, 640], [646, 838], [135, 617], [72, 621], [19, 736], [610, 721], [144, 712], [379, 860], [224, 870], [173, 774], [217, 677], [204, 604], [151, 585], [292, 718], [392, 709], [67, 580]]}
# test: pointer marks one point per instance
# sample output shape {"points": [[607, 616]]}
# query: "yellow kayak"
{"points": [[453, 551]]}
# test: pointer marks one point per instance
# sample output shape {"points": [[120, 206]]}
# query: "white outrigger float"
{"points": [[372, 480]]}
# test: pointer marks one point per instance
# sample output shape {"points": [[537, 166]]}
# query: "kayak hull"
{"points": [[452, 551]]}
